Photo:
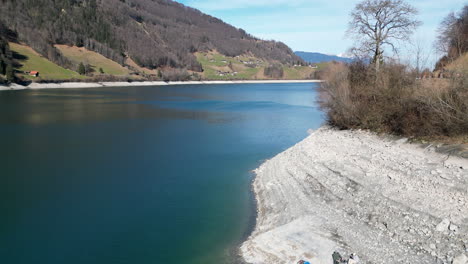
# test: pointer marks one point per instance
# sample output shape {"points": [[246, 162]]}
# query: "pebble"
{"points": [[453, 227], [461, 259], [443, 225]]}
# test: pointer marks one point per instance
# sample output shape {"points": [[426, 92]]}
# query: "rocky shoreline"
{"points": [[76, 85], [353, 191]]}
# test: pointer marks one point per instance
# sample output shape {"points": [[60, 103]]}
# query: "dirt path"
{"points": [[352, 191]]}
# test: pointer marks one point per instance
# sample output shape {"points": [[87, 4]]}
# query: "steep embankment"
{"points": [[353, 191]]}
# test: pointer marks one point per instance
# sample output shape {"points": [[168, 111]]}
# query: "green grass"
{"points": [[212, 74], [96, 60], [297, 73], [291, 73], [322, 65], [211, 61], [32, 61]]}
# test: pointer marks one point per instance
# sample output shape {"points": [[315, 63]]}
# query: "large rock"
{"points": [[462, 259], [453, 227], [443, 226]]}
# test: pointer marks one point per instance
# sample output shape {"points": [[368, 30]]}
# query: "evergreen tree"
{"points": [[101, 71], [10, 75], [2, 67], [81, 69]]}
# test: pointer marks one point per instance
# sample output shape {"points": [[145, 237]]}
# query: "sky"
{"points": [[317, 25]]}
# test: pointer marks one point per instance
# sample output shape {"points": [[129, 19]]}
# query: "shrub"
{"points": [[171, 74], [81, 69], [274, 71], [394, 100], [88, 69]]}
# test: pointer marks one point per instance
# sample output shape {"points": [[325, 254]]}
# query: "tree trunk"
{"points": [[377, 58]]}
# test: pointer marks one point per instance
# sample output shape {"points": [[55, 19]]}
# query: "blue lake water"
{"points": [[139, 175]]}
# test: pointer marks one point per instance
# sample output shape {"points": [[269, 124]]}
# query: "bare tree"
{"points": [[379, 23], [420, 55], [453, 32]]}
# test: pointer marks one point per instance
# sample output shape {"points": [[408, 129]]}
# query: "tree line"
{"points": [[6, 56]]}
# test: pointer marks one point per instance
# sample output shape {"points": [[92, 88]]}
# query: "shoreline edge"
{"points": [[385, 199], [78, 85]]}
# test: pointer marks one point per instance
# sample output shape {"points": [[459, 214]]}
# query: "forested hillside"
{"points": [[6, 60], [153, 33], [3, 59]]}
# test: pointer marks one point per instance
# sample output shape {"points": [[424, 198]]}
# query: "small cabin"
{"points": [[34, 73]]}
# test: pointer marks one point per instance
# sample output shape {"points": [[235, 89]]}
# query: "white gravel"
{"points": [[353, 191]]}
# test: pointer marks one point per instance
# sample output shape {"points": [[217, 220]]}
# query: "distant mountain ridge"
{"points": [[315, 57]]}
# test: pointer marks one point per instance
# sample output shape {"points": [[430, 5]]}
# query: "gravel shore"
{"points": [[353, 191], [75, 85]]}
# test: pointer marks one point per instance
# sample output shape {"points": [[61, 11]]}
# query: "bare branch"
{"points": [[379, 23]]}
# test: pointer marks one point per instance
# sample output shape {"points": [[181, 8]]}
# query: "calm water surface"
{"points": [[139, 175]]}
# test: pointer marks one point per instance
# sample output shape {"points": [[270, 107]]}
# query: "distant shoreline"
{"points": [[78, 85]]}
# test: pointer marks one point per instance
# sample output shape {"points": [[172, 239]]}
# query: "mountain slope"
{"points": [[28, 60], [153, 33], [315, 57], [96, 61]]}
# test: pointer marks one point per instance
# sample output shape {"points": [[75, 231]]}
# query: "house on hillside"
{"points": [[34, 73]]}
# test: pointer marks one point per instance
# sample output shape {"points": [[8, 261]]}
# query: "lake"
{"points": [[139, 175]]}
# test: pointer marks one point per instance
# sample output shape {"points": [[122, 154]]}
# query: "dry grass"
{"points": [[395, 101], [134, 66], [81, 55], [30, 60]]}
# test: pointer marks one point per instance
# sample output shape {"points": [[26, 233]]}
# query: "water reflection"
{"points": [[139, 175], [44, 107]]}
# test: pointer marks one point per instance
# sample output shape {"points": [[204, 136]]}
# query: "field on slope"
{"points": [[219, 67], [298, 72], [81, 55], [30, 60]]}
